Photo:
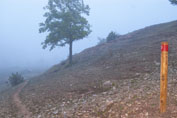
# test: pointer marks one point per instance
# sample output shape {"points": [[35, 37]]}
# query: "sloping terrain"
{"points": [[119, 79]]}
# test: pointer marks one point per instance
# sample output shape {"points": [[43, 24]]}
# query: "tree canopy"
{"points": [[174, 2], [65, 23]]}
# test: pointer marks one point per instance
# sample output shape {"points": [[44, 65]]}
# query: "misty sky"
{"points": [[20, 41]]}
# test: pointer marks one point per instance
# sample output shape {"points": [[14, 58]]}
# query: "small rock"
{"points": [[107, 83], [39, 116], [55, 112], [147, 114]]}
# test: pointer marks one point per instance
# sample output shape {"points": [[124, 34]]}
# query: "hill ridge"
{"points": [[115, 79]]}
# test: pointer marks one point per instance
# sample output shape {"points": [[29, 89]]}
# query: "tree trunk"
{"points": [[70, 51]]}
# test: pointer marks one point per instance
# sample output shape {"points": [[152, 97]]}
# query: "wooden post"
{"points": [[163, 77]]}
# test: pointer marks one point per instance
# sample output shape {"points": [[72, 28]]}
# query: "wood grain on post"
{"points": [[163, 77]]}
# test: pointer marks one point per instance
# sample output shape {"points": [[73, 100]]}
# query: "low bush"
{"points": [[16, 79], [112, 36]]}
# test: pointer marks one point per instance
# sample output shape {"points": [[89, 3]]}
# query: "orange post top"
{"points": [[164, 47]]}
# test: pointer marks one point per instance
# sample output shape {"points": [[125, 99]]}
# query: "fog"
{"points": [[20, 41]]}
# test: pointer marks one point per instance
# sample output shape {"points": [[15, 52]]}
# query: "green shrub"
{"points": [[112, 36], [16, 79]]}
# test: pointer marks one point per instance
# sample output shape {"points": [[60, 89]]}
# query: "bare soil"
{"points": [[22, 110]]}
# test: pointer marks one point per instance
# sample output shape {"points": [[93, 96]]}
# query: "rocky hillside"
{"points": [[119, 79]]}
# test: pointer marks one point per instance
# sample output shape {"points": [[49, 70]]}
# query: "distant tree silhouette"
{"points": [[174, 2], [65, 23]]}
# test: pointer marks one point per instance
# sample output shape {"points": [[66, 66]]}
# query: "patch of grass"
{"points": [[135, 97], [133, 81]]}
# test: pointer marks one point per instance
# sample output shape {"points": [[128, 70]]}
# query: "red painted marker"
{"points": [[164, 47]]}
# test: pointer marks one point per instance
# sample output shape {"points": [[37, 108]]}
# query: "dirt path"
{"points": [[22, 110]]}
